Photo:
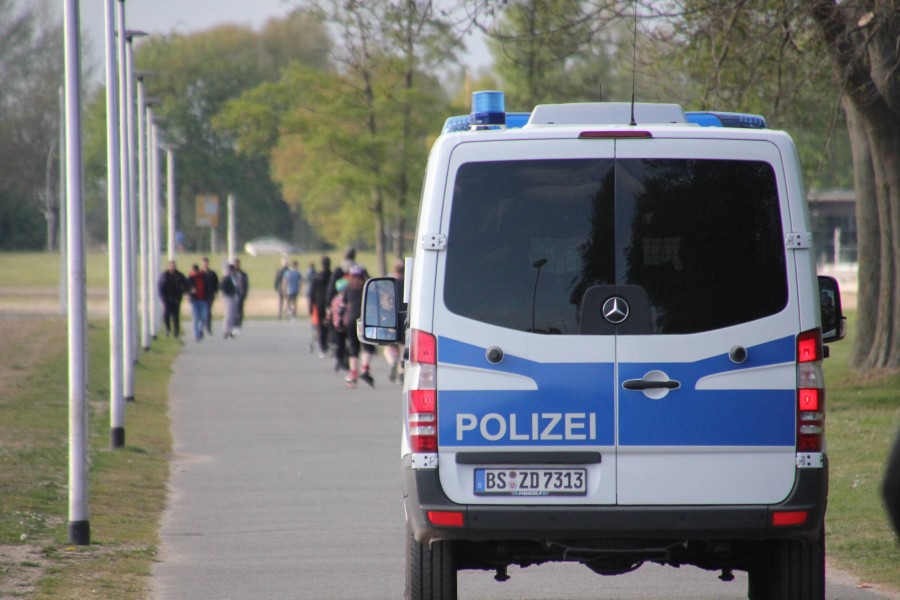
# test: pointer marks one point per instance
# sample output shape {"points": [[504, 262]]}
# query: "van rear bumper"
{"points": [[422, 494]]}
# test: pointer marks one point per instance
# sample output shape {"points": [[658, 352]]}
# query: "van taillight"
{"points": [[810, 392], [422, 403]]}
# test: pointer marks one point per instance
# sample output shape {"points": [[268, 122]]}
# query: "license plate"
{"points": [[531, 482]]}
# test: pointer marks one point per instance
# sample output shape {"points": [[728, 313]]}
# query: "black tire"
{"points": [[430, 571], [789, 570]]}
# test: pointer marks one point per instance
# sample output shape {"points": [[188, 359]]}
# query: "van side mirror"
{"points": [[834, 323], [380, 316]]}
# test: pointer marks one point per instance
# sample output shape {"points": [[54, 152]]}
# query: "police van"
{"points": [[615, 339]]}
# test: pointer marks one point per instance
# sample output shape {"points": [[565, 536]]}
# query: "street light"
{"points": [[126, 138], [170, 199], [143, 234], [114, 236]]}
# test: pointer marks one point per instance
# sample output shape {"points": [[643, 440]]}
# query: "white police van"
{"points": [[615, 339]]}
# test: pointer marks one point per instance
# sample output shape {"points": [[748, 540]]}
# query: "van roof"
{"points": [[604, 113]]}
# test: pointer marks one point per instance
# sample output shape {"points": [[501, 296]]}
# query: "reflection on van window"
{"points": [[702, 238]]}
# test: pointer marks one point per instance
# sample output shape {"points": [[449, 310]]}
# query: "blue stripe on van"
{"points": [[574, 404], [692, 417]]}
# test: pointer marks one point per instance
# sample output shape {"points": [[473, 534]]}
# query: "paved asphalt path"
{"points": [[285, 485]]}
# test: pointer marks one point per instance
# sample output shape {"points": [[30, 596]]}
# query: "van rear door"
{"points": [[526, 405], [706, 378]]}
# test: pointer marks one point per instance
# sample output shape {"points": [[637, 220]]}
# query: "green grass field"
{"points": [[128, 486]]}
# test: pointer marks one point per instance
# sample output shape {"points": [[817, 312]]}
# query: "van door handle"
{"points": [[644, 384]]}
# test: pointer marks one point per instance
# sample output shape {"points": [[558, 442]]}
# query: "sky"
{"points": [[185, 16]]}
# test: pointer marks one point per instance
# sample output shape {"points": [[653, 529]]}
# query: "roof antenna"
{"points": [[633, 63]]}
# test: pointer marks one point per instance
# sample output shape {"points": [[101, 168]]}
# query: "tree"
{"points": [[349, 145], [756, 56], [550, 51], [194, 76], [31, 68], [861, 39]]}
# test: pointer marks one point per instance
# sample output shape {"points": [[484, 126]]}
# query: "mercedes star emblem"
{"points": [[615, 310]]}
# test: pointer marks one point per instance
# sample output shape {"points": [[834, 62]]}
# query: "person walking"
{"points": [[310, 276], [392, 352], [243, 288], [319, 296], [212, 288], [336, 311], [340, 272], [199, 300], [360, 354], [229, 287], [890, 486], [171, 287], [291, 288], [279, 287]]}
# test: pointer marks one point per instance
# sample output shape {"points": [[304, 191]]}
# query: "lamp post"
{"points": [[114, 235], [79, 524], [170, 200], [126, 138], [142, 211], [155, 243]]}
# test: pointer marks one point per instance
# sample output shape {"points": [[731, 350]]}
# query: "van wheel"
{"points": [[789, 570], [430, 571]]}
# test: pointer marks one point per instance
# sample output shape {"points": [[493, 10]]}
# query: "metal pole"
{"points": [[142, 214], [157, 231], [126, 138], [125, 215], [152, 221], [79, 525], [170, 202], [131, 281], [116, 401], [63, 281], [231, 229]]}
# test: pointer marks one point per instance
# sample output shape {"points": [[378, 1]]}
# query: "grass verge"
{"points": [[863, 417], [127, 486]]}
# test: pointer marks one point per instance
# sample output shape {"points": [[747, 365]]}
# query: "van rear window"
{"points": [[701, 239]]}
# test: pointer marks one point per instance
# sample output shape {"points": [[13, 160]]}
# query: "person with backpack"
{"points": [[336, 312], [359, 354]]}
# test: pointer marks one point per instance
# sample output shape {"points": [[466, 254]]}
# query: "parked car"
{"points": [[269, 246]]}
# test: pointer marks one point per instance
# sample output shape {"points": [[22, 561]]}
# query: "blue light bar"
{"points": [[458, 123], [727, 119], [488, 108]]}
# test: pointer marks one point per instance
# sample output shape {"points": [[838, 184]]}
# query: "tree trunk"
{"points": [[868, 241], [860, 52]]}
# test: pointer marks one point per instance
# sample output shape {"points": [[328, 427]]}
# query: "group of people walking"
{"points": [[335, 305], [202, 284]]}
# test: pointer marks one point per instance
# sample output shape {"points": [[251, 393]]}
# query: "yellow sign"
{"points": [[207, 211]]}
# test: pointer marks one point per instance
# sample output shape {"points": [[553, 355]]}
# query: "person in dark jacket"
{"points": [[319, 299], [243, 288], [890, 487], [212, 288], [172, 287]]}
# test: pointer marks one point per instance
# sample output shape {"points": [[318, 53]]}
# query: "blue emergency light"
{"points": [[726, 119], [488, 112], [488, 108]]}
